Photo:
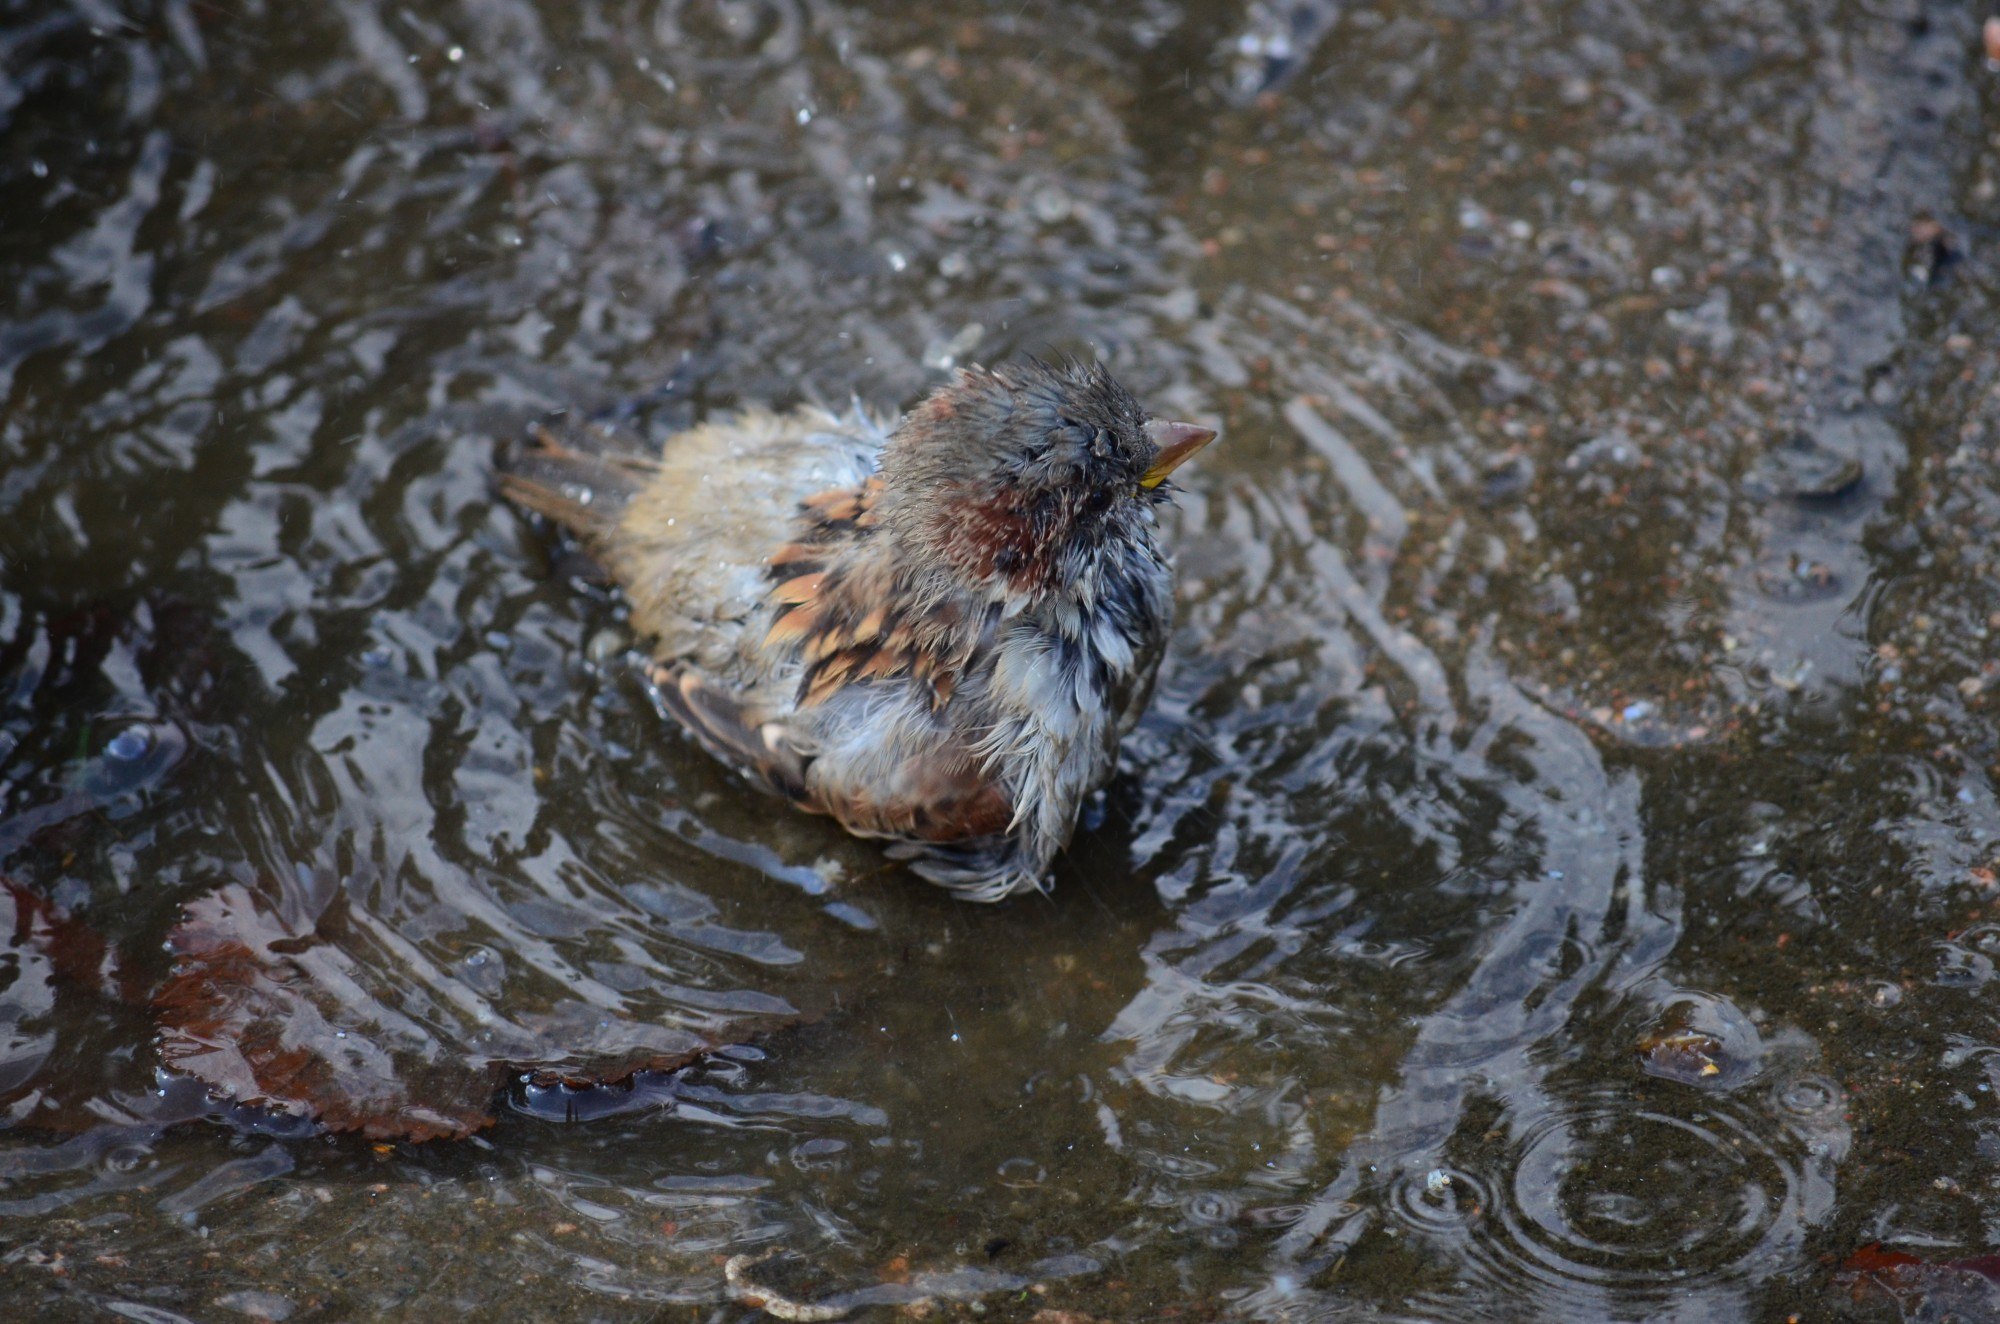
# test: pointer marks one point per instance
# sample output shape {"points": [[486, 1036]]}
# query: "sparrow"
{"points": [[936, 632]]}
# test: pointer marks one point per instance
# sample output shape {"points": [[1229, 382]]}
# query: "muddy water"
{"points": [[1556, 881]]}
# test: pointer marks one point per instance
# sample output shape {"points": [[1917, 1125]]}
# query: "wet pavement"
{"points": [[1559, 878]]}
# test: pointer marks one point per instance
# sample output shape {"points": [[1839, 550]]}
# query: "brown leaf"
{"points": [[27, 990], [1927, 1289], [77, 953], [279, 1015]]}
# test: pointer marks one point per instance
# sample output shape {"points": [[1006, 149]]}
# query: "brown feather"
{"points": [[794, 625], [883, 663], [845, 505], [718, 719], [581, 475], [836, 670], [871, 624], [822, 687], [803, 588], [548, 502], [981, 814], [837, 624], [836, 505], [958, 806], [793, 553]]}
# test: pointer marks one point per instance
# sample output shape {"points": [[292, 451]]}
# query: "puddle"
{"points": [[1583, 677]]}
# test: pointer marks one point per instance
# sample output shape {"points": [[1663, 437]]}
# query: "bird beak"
{"points": [[1176, 441]]}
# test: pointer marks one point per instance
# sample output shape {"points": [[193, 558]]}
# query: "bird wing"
{"points": [[939, 793], [728, 730], [839, 619]]}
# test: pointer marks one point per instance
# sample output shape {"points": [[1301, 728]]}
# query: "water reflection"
{"points": [[1557, 873]]}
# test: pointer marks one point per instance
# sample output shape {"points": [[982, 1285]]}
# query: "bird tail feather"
{"points": [[580, 475]]}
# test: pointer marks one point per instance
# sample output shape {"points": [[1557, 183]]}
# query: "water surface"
{"points": [[1557, 879]]}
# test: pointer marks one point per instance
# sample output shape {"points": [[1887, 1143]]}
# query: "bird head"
{"points": [[1010, 477]]}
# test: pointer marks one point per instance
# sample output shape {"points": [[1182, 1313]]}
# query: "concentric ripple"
{"points": [[1641, 1191], [1813, 1099], [1442, 1200]]}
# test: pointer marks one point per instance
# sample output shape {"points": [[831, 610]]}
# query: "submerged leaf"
{"points": [[276, 1014]]}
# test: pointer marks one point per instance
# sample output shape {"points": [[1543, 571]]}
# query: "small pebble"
{"points": [[258, 1305]]}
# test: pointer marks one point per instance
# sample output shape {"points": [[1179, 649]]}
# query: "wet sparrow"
{"points": [[936, 634]]}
